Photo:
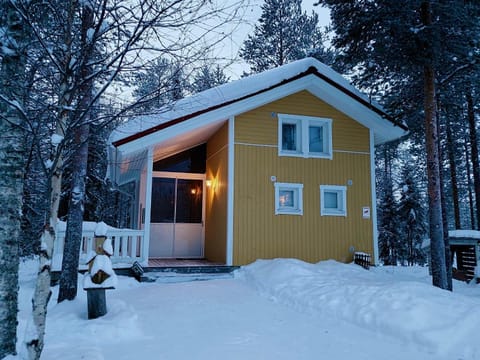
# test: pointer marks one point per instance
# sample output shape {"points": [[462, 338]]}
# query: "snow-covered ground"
{"points": [[277, 309]]}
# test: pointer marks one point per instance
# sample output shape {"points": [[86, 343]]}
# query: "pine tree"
{"points": [[159, 84], [412, 224], [208, 77], [284, 34], [388, 238], [399, 43]]}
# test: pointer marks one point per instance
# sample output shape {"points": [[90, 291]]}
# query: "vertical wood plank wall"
{"points": [[258, 232], [216, 198]]}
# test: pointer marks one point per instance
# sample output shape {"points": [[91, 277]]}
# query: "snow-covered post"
{"points": [[100, 275]]}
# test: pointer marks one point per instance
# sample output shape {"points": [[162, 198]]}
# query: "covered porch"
{"points": [[180, 182], [127, 250]]}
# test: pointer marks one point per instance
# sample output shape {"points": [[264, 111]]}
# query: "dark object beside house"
{"points": [[465, 246], [362, 259], [137, 270]]}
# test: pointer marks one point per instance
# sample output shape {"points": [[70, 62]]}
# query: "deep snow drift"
{"points": [[275, 309]]}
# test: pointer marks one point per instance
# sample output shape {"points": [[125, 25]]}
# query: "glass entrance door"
{"points": [[177, 216]]}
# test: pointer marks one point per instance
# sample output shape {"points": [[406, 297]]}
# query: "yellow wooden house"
{"points": [[278, 164]]}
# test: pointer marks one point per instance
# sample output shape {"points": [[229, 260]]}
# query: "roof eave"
{"points": [[384, 124]]}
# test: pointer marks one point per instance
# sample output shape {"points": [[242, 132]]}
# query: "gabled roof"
{"points": [[238, 96]]}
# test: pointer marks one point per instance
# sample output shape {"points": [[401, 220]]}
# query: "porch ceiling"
{"points": [[173, 142]]}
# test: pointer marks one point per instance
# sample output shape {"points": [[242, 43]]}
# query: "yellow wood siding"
{"points": [[260, 126], [258, 232], [216, 196]]}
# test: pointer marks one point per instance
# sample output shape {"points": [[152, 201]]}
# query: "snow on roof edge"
{"points": [[473, 234], [232, 91]]}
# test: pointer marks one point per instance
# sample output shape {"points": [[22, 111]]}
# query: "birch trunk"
{"points": [[42, 294], [11, 173]]}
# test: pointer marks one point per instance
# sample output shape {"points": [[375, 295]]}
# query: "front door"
{"points": [[177, 229]]}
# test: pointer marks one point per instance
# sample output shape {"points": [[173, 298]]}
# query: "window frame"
{"points": [[297, 209], [342, 199], [303, 124]]}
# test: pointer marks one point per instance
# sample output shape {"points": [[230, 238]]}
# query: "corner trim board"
{"points": [[374, 199], [230, 194]]}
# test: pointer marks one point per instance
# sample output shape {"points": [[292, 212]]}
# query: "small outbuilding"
{"points": [[465, 247]]}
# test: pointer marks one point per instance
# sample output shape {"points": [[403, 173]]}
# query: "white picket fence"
{"points": [[128, 246]]}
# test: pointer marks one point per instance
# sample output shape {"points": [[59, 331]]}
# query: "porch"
{"points": [[129, 248]]}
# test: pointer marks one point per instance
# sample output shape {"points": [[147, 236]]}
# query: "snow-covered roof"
{"points": [[239, 96], [472, 234]]}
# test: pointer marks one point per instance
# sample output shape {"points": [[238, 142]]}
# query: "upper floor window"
{"points": [[304, 136]]}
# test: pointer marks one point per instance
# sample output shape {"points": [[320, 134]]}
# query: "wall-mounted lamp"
{"points": [[211, 184]]}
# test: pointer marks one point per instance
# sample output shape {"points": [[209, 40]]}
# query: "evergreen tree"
{"points": [[159, 84], [401, 42], [388, 238], [284, 34], [413, 225], [208, 77]]}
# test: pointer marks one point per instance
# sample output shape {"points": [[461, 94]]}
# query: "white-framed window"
{"points": [[333, 200], [304, 136], [288, 198]]}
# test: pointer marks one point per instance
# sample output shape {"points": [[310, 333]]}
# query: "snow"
{"points": [[108, 283], [6, 51], [90, 256], [86, 226], [473, 234], [102, 262], [228, 92], [48, 164], [90, 33], [101, 229], [108, 247], [271, 309]]}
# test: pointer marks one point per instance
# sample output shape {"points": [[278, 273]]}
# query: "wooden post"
{"points": [[96, 299], [97, 302]]}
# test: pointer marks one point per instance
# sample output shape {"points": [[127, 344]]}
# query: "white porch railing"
{"points": [[128, 246]]}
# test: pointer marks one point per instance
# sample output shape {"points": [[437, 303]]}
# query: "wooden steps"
{"points": [[178, 273]]}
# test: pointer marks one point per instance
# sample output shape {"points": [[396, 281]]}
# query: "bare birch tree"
{"points": [[80, 65]]}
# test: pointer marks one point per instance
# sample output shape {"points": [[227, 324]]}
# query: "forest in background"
{"points": [[64, 63]]}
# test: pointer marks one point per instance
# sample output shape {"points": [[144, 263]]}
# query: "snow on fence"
{"points": [[128, 245]]}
